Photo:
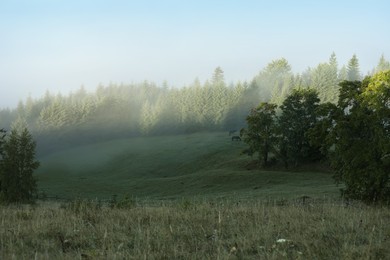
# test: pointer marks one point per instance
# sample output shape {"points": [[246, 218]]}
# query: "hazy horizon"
{"points": [[61, 45]]}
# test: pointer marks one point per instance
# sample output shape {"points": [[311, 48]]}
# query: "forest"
{"points": [[146, 109]]}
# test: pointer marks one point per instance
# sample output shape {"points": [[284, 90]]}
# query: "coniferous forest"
{"points": [[147, 109]]}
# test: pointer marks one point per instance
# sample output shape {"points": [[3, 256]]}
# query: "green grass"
{"points": [[166, 167], [209, 229], [189, 197]]}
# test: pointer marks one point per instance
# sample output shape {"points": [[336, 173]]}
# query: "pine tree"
{"points": [[383, 64], [2, 136], [324, 79], [18, 164], [343, 73], [218, 77], [333, 91], [353, 70], [2, 142]]}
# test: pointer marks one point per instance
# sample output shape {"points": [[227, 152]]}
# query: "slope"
{"points": [[201, 164]]}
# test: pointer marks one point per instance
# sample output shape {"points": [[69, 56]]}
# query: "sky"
{"points": [[60, 45]]}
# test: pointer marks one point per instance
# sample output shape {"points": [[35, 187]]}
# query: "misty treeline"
{"points": [[123, 110]]}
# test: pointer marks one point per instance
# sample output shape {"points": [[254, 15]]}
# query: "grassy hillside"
{"points": [[200, 164]]}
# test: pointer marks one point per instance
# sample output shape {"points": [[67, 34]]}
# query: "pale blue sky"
{"points": [[60, 45]]}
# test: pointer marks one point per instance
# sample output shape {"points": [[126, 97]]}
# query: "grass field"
{"points": [[189, 229], [166, 167], [187, 197]]}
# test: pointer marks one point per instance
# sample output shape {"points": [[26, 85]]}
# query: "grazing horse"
{"points": [[236, 138], [231, 132]]}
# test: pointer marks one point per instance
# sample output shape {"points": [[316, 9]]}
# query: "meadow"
{"points": [[191, 196], [195, 229], [173, 167]]}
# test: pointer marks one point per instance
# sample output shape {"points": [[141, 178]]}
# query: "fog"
{"points": [[60, 46]]}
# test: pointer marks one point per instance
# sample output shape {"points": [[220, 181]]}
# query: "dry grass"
{"points": [[195, 230]]}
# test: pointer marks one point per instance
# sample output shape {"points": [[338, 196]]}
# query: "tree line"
{"points": [[123, 110], [352, 134]]}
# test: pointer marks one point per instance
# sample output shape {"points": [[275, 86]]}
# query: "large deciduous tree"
{"points": [[361, 137], [298, 116], [260, 134]]}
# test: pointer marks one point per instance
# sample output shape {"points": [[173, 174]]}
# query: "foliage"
{"points": [[361, 138], [123, 110], [2, 137], [274, 82], [355, 134], [18, 164], [260, 133], [297, 118], [324, 78], [319, 134]]}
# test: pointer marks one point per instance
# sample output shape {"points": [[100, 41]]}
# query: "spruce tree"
{"points": [[383, 65], [18, 164], [324, 79], [353, 70], [2, 137], [218, 77], [343, 73]]}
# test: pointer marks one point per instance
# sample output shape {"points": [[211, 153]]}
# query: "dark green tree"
{"points": [[261, 133], [2, 141], [2, 136], [361, 138], [298, 116], [18, 164], [319, 134]]}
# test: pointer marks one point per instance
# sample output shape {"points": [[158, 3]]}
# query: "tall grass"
{"points": [[190, 229]]}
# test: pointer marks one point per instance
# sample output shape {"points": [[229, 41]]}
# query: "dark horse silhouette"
{"points": [[236, 138]]}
